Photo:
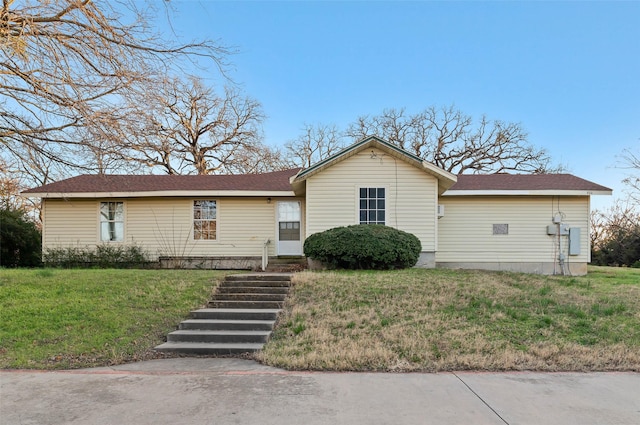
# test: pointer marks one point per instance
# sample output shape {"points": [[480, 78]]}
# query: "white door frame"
{"points": [[288, 246]]}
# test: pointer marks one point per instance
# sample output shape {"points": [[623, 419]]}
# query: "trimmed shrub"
{"points": [[364, 246], [103, 256]]}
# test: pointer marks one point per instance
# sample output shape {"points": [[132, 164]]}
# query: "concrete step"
{"points": [[240, 317], [246, 304], [203, 348], [235, 314], [285, 268], [288, 260], [256, 283], [248, 297], [218, 324], [265, 277], [217, 336], [286, 264], [253, 289]]}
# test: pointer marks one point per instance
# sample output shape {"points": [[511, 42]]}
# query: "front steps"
{"points": [[287, 264], [239, 318]]}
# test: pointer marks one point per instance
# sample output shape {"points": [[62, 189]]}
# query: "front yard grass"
{"points": [[409, 320], [53, 318], [438, 320]]}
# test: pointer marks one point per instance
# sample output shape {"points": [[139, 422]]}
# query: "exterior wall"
{"points": [[411, 195], [69, 223], [466, 238], [164, 226]]}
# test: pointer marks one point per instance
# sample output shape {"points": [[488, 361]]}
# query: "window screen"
{"points": [[204, 219], [111, 221], [372, 205]]}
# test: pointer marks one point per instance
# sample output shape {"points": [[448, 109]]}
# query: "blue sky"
{"points": [[569, 72]]}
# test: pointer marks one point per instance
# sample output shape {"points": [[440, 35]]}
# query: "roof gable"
{"points": [[445, 178]]}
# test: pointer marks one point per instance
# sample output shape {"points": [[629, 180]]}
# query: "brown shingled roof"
{"points": [[275, 181], [279, 181], [525, 182]]}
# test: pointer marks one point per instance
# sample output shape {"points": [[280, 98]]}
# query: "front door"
{"points": [[289, 240]]}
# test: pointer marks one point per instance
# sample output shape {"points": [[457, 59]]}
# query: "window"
{"points": [[204, 220], [500, 229], [289, 221], [111, 221], [372, 205], [289, 231]]}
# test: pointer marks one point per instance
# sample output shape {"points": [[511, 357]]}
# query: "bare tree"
{"points": [[259, 158], [451, 140], [615, 235], [63, 60], [184, 127], [631, 161], [10, 187], [316, 143]]}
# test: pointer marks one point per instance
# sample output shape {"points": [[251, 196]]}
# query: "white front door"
{"points": [[289, 232]]}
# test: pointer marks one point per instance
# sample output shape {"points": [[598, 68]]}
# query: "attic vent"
{"points": [[500, 229]]}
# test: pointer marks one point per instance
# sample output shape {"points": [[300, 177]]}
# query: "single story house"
{"points": [[529, 223]]}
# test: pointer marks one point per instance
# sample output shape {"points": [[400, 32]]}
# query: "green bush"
{"points": [[20, 242], [364, 246], [103, 256]]}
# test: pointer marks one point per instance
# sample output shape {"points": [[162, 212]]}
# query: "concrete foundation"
{"points": [[315, 264], [427, 260], [211, 263], [574, 269]]}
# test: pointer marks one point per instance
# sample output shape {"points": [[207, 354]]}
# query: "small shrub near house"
{"points": [[103, 256], [364, 246]]}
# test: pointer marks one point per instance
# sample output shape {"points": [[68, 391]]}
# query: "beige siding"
{"points": [[70, 223], [332, 195], [164, 226], [466, 230]]}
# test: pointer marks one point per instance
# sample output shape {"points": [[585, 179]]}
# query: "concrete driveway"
{"points": [[233, 391]]}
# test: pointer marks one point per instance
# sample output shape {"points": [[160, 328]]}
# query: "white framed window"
{"points": [[205, 219], [372, 205], [111, 221]]}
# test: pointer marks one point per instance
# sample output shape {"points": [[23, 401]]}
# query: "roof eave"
{"points": [[164, 193], [538, 192], [445, 179]]}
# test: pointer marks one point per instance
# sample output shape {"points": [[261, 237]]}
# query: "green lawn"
{"points": [[434, 320], [53, 318], [428, 320]]}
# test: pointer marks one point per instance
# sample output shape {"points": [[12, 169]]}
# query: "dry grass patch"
{"points": [[435, 320]]}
